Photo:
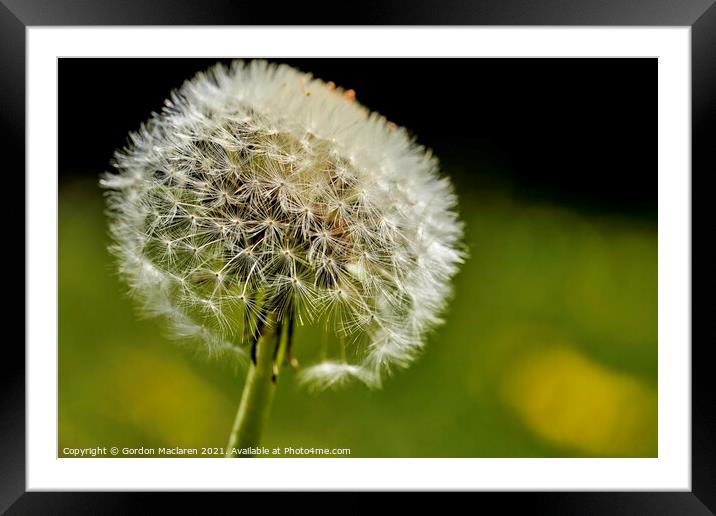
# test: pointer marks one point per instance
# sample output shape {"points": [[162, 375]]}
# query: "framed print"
{"points": [[360, 258]]}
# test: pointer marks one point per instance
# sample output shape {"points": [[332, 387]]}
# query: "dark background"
{"points": [[579, 132]]}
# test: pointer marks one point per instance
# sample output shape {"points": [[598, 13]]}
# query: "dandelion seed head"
{"points": [[260, 190]]}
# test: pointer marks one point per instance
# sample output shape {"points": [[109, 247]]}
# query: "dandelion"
{"points": [[260, 200]]}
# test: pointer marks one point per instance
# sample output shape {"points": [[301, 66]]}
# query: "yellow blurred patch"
{"points": [[572, 401], [167, 399]]}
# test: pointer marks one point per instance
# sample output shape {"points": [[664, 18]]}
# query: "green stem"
{"points": [[257, 397]]}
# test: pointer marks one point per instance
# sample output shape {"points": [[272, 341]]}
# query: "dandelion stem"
{"points": [[257, 396]]}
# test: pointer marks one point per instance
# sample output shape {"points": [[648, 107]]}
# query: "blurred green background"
{"points": [[549, 350]]}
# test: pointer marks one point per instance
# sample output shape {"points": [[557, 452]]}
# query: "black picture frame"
{"points": [[700, 15]]}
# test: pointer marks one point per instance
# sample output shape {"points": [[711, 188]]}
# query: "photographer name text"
{"points": [[177, 451]]}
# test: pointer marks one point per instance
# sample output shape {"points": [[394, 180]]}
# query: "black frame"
{"points": [[700, 15]]}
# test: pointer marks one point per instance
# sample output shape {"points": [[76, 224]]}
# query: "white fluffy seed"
{"points": [[246, 196]]}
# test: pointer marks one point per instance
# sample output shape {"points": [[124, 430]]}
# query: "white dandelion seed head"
{"points": [[260, 190]]}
